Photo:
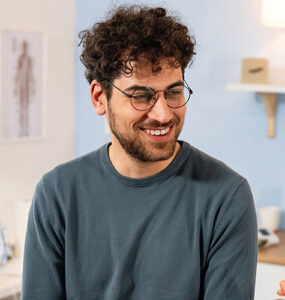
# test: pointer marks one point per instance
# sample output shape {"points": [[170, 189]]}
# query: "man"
{"points": [[145, 217]]}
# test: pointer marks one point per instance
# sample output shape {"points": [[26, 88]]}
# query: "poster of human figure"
{"points": [[22, 74]]}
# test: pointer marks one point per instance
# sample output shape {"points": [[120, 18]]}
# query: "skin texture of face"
{"points": [[129, 126], [134, 151]]}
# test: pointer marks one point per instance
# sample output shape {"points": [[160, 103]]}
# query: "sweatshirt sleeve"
{"points": [[232, 257], [43, 269]]}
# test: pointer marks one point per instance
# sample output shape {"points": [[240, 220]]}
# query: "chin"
{"points": [[153, 153]]}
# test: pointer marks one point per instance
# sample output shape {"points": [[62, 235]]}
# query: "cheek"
{"points": [[128, 120], [136, 118], [180, 113]]}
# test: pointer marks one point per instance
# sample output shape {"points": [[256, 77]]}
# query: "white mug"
{"points": [[269, 217]]}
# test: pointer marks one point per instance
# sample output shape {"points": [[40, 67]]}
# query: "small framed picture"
{"points": [[21, 85]]}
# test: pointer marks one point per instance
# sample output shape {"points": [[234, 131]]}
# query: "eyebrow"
{"points": [[145, 88]]}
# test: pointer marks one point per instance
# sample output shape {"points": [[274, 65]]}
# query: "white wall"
{"points": [[23, 163]]}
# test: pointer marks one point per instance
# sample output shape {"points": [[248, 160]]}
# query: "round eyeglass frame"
{"points": [[130, 96]]}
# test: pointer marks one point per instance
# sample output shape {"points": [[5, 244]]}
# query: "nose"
{"points": [[160, 112]]}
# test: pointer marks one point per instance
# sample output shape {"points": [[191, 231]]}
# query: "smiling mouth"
{"points": [[157, 132]]}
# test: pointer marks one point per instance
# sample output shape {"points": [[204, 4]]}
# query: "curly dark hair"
{"points": [[110, 47]]}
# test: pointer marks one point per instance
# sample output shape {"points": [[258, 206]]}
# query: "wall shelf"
{"points": [[268, 93]]}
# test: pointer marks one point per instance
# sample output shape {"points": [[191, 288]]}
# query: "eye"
{"points": [[174, 93], [142, 96]]}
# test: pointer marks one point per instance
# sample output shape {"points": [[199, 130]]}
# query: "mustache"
{"points": [[156, 124]]}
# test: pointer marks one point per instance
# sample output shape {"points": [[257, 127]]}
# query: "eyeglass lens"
{"points": [[175, 97]]}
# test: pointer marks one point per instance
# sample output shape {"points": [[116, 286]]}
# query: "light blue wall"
{"points": [[231, 126]]}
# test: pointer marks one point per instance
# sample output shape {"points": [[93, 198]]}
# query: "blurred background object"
{"points": [[270, 217]]}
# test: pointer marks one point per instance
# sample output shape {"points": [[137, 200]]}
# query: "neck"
{"points": [[129, 167]]}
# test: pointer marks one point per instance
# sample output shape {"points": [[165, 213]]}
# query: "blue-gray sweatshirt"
{"points": [[186, 233]]}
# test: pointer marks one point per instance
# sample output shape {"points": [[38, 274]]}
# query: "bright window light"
{"points": [[273, 13]]}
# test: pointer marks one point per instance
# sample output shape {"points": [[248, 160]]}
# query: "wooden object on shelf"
{"points": [[274, 254], [254, 70], [268, 93]]}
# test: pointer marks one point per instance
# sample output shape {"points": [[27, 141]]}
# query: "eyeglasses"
{"points": [[143, 98]]}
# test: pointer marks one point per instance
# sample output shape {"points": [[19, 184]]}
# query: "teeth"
{"points": [[157, 132]]}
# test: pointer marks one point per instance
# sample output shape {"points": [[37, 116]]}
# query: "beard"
{"points": [[140, 150]]}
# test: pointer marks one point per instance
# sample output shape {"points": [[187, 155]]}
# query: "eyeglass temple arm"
{"points": [[127, 95], [191, 92]]}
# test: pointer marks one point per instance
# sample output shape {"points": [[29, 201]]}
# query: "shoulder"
{"points": [[205, 168], [227, 192], [62, 185], [215, 187], [70, 179], [72, 170], [222, 195]]}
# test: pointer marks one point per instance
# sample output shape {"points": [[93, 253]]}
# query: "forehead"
{"points": [[144, 75]]}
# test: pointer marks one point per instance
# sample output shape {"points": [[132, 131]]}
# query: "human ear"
{"points": [[98, 97]]}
